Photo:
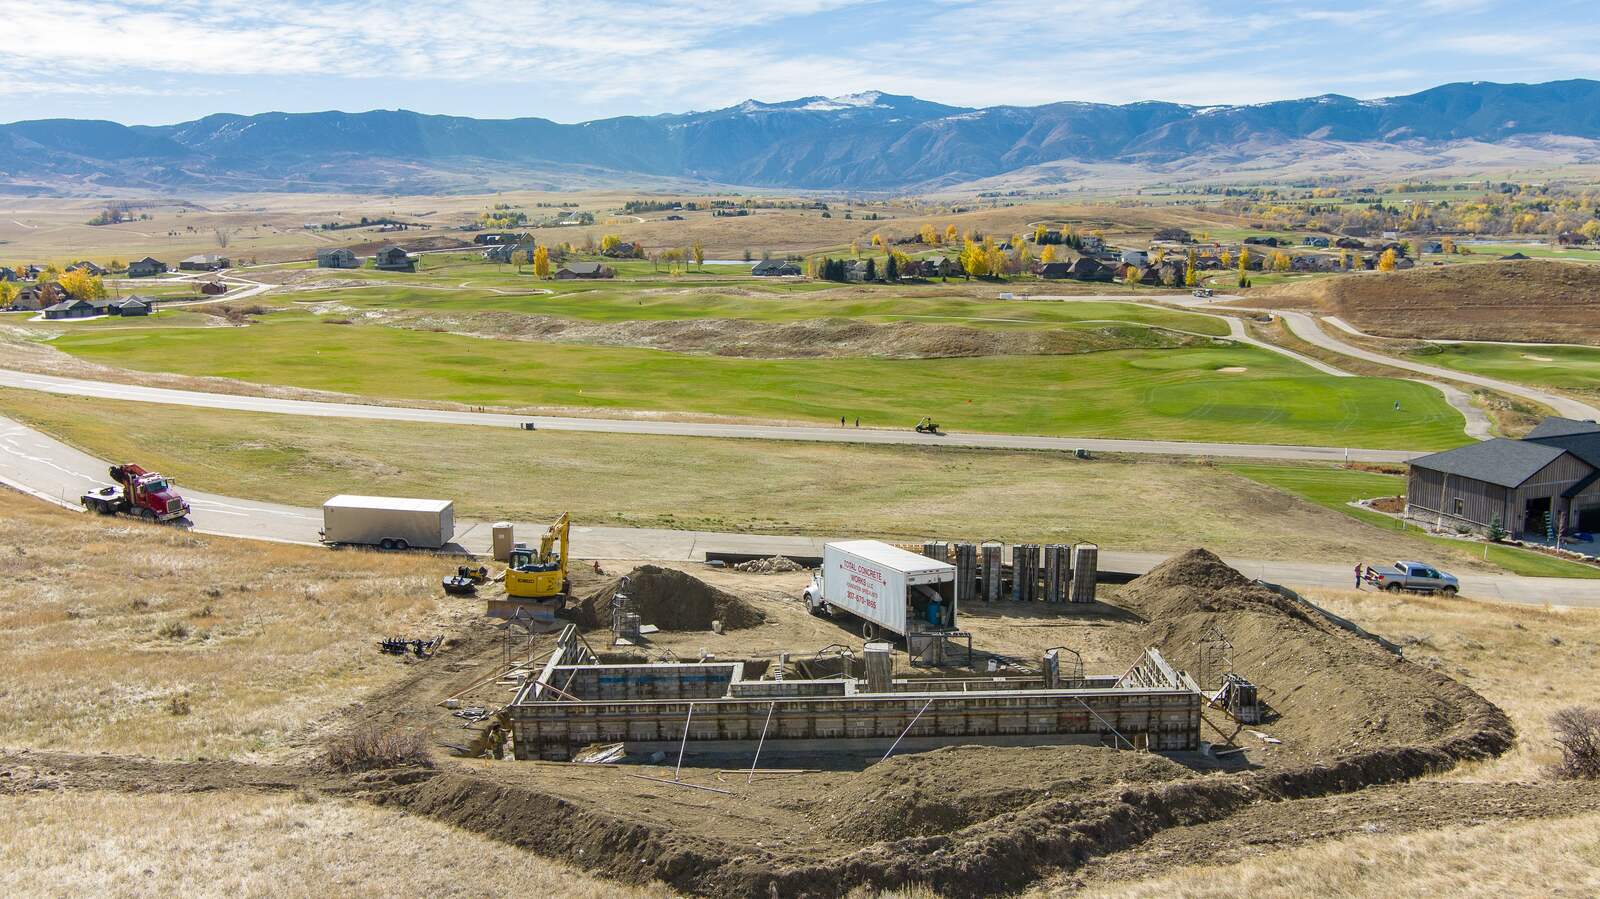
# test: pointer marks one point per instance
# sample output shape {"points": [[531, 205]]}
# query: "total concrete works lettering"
{"points": [[863, 585]]}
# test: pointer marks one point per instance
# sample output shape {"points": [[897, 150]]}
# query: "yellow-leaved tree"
{"points": [[950, 233], [930, 235], [1191, 274], [1047, 255], [1038, 232], [8, 293], [1388, 261], [81, 285], [541, 262], [699, 254], [609, 242]]}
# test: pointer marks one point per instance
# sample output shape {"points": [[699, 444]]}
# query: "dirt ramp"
{"points": [[671, 600]]}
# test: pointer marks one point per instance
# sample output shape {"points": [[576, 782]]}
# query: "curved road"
{"points": [[905, 437], [50, 470]]}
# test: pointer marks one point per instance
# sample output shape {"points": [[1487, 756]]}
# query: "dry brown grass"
{"points": [[132, 638], [1550, 857], [1529, 661], [248, 845]]}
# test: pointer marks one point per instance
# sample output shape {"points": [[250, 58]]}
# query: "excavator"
{"points": [[536, 578]]}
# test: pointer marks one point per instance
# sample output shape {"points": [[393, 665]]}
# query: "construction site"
{"points": [[965, 716]]}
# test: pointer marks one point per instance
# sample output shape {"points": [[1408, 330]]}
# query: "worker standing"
{"points": [[858, 421], [841, 421], [1358, 575]]}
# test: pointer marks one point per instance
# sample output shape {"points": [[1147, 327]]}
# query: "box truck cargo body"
{"points": [[889, 589], [388, 522]]}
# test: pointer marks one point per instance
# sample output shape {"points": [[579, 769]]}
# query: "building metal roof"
{"points": [[1554, 426], [1500, 461]]}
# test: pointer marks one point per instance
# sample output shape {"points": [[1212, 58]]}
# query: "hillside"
{"points": [[1537, 300], [869, 140]]}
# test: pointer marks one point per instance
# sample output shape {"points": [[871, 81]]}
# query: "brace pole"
{"points": [[685, 744], [906, 731], [763, 742]]}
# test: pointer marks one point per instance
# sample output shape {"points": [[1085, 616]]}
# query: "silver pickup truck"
{"points": [[1412, 576]]}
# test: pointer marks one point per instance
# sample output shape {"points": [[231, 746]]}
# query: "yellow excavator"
{"points": [[540, 575]]}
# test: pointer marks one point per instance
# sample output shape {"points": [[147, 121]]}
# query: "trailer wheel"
{"points": [[869, 630], [386, 544], [401, 545]]}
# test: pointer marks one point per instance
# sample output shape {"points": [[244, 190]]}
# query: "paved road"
{"points": [[46, 468], [904, 437], [1305, 327]]}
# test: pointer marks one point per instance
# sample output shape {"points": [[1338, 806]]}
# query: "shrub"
{"points": [[179, 705], [1577, 731], [174, 630], [373, 746]]}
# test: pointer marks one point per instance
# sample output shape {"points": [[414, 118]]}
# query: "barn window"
{"points": [[1460, 507]]}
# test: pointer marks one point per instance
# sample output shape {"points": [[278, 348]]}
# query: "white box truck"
{"points": [[388, 522], [891, 590]]}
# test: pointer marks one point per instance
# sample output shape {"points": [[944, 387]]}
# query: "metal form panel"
{"points": [[992, 555], [966, 572], [1085, 568], [1025, 572]]}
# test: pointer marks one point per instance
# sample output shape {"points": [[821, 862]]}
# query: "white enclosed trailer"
{"points": [[388, 522], [889, 589]]}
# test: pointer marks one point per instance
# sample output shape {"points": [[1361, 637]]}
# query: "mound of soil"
{"points": [[816, 338], [671, 600], [948, 789], [1530, 299], [1198, 581]]}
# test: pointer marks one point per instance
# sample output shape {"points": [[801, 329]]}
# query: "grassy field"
{"points": [[1335, 488], [721, 485], [1173, 394], [1568, 367], [132, 638], [224, 844]]}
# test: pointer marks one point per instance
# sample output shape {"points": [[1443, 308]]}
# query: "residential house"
{"points": [[36, 297], [1430, 246], [488, 238], [146, 267], [775, 268], [1262, 241], [73, 309], [1091, 244], [213, 288], [1055, 271], [204, 262], [1349, 243], [1136, 257], [1548, 479], [856, 270], [84, 265], [394, 259], [337, 257], [9, 274], [1315, 241], [1087, 269], [1173, 235], [132, 306], [585, 270]]}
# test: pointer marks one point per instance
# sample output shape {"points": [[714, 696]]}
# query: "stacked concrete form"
{"points": [[993, 568], [966, 572], [1025, 572], [1085, 565], [710, 709]]}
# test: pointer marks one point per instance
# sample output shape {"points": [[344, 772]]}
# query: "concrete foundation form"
{"points": [[709, 708]]}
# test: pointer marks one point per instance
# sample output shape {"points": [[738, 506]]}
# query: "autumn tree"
{"points": [[950, 233], [8, 294], [1038, 233], [609, 242], [541, 262], [929, 235], [1047, 255], [81, 285], [877, 240], [1244, 267], [973, 260], [1227, 258], [1388, 261], [1447, 245], [699, 254], [1191, 273], [1590, 230], [994, 259], [855, 248]]}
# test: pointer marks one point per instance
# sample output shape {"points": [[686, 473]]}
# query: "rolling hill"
{"points": [[865, 141]]}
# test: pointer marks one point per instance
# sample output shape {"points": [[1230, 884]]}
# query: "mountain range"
{"points": [[868, 141]]}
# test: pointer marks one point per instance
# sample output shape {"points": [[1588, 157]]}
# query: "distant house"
{"points": [[1553, 475], [623, 250], [84, 265], [490, 238], [1261, 241], [1087, 269], [1430, 246], [1315, 241], [1055, 271], [674, 218], [1091, 244], [204, 262], [1135, 257], [9, 274], [586, 270], [213, 288], [508, 252], [394, 259], [38, 296], [774, 268], [1173, 235], [1349, 243], [132, 306], [856, 270], [337, 257], [391, 227], [72, 309], [146, 267]]}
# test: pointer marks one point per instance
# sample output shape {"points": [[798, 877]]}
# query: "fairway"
{"points": [[1216, 393], [1561, 367]]}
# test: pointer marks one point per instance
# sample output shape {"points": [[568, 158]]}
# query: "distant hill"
{"points": [[865, 141], [1533, 299]]}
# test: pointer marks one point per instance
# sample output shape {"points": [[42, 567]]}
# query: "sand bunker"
{"points": [[670, 600], [1231, 369], [1537, 358]]}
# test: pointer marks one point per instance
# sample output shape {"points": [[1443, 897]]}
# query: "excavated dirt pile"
{"points": [[947, 789], [772, 565], [671, 600]]}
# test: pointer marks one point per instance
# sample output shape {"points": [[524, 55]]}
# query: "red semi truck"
{"points": [[143, 493]]}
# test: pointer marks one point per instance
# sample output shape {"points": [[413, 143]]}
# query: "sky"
{"points": [[166, 61]]}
